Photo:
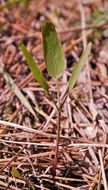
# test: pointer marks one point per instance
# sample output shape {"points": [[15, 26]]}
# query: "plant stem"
{"points": [[58, 94], [57, 142], [58, 130]]}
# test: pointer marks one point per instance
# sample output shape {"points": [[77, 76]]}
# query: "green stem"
{"points": [[57, 142], [58, 130], [58, 93]]}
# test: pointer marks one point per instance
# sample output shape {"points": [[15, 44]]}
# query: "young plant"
{"points": [[55, 63]]}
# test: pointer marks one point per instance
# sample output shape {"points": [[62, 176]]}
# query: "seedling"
{"points": [[55, 63]]}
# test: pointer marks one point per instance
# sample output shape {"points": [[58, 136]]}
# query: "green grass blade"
{"points": [[15, 89], [78, 67], [34, 68], [53, 52]]}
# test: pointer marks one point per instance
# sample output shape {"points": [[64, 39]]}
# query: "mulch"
{"points": [[26, 157]]}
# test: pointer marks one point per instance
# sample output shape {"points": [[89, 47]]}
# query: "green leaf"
{"points": [[53, 52], [34, 68], [15, 89], [78, 67], [16, 173]]}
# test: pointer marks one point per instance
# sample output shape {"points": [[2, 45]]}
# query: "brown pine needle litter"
{"points": [[28, 117]]}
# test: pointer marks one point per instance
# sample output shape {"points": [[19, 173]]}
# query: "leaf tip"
{"points": [[79, 66]]}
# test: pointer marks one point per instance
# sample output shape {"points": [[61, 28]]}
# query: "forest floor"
{"points": [[27, 140]]}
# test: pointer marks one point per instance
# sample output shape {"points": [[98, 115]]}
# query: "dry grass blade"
{"points": [[24, 128], [103, 170]]}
